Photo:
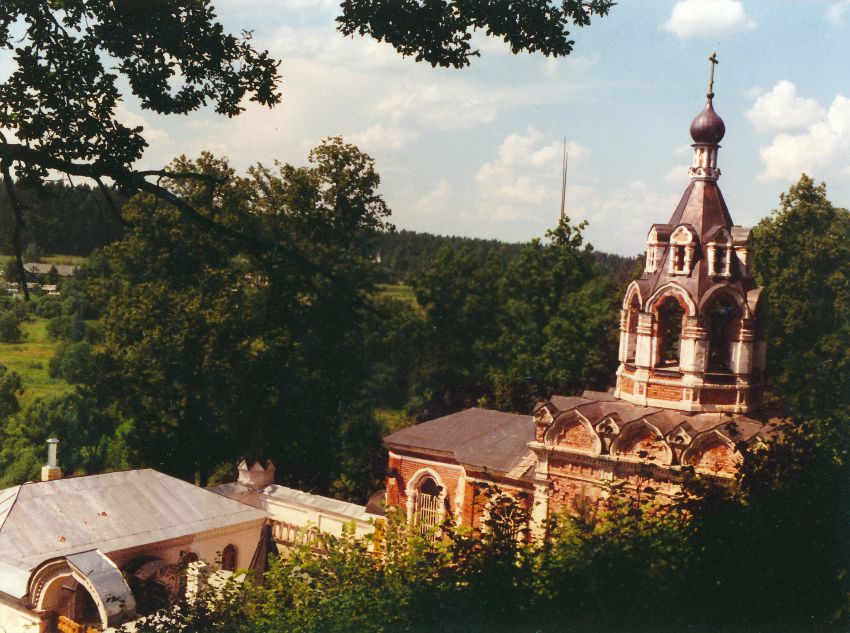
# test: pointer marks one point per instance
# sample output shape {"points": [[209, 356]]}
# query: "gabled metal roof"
{"points": [[475, 437], [108, 512]]}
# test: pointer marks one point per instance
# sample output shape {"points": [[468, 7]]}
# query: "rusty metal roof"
{"points": [[476, 437]]}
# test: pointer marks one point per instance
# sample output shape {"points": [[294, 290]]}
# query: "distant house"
{"points": [[93, 552], [41, 270]]}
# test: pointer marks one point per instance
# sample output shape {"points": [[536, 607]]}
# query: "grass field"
{"points": [[400, 292], [30, 359]]}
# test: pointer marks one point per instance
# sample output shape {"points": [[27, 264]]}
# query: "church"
{"points": [[688, 387]]}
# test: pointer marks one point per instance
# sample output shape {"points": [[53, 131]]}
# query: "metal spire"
{"points": [[564, 180]]}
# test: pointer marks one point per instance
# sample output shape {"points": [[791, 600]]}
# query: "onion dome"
{"points": [[708, 127]]}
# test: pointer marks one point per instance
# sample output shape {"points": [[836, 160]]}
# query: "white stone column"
{"points": [[743, 352], [644, 352], [693, 348], [540, 507]]}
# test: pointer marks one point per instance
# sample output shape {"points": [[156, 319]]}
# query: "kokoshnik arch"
{"points": [[688, 388]]}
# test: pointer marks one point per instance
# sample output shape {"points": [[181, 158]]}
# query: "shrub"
{"points": [[10, 327]]}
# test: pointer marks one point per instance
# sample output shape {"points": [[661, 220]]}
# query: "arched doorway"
{"points": [[82, 592], [73, 608], [426, 509]]}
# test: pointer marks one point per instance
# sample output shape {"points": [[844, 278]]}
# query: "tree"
{"points": [[10, 327], [217, 352], [60, 98], [801, 256], [440, 32]]}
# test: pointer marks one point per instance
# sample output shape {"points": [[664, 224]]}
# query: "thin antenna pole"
{"points": [[564, 181]]}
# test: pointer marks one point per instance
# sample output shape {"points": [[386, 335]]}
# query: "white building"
{"points": [[97, 551]]}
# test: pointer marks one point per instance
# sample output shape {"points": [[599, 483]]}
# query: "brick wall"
{"points": [[643, 444], [717, 458], [718, 396], [575, 435], [574, 485], [627, 385], [404, 468], [664, 392]]}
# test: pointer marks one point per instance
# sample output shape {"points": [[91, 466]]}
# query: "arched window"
{"points": [[427, 513], [507, 519], [723, 319], [228, 558], [670, 315], [187, 558]]}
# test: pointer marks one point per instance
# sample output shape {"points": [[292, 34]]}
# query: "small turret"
{"points": [[258, 475]]}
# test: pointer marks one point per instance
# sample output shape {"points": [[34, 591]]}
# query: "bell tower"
{"points": [[689, 330]]}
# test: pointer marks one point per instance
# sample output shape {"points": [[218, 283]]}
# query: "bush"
{"points": [[10, 327], [48, 307], [94, 333], [73, 362], [57, 327]]}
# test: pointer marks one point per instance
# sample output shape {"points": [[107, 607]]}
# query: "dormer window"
{"points": [[741, 245], [682, 246], [720, 255], [678, 259], [656, 241], [652, 257]]}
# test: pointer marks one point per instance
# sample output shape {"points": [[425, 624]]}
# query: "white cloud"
{"points": [[439, 105], [632, 209], [381, 137], [782, 109], [677, 175], [836, 11], [822, 149], [525, 178], [132, 119], [708, 18]]}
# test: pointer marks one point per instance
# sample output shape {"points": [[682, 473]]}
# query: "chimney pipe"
{"points": [[51, 471]]}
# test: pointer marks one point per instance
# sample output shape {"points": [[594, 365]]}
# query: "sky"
{"points": [[477, 151]]}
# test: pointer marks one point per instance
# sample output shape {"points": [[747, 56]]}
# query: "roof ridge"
{"points": [[14, 498]]}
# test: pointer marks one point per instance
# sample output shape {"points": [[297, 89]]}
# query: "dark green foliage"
{"points": [[73, 119], [10, 327], [406, 254], [72, 328], [58, 218], [10, 389], [74, 363], [215, 352], [47, 307], [802, 258], [506, 336], [87, 438], [440, 32]]}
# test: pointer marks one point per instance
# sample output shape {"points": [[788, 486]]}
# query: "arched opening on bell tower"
{"points": [[670, 315], [722, 320]]}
